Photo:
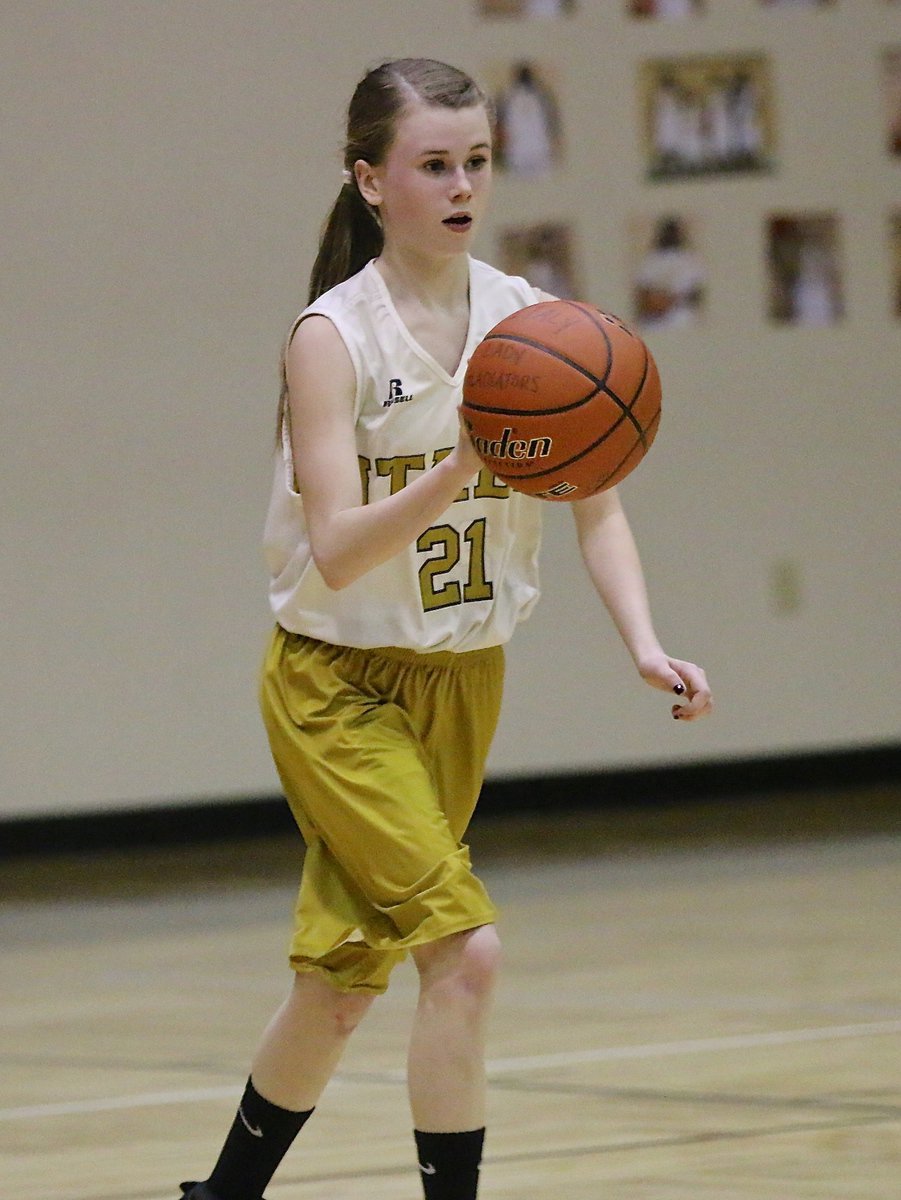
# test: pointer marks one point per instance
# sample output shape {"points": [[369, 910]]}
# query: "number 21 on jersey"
{"points": [[444, 548]]}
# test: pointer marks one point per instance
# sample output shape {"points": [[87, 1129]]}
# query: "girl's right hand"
{"points": [[465, 452]]}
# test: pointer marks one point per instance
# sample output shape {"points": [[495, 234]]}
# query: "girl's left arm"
{"points": [[611, 557]]}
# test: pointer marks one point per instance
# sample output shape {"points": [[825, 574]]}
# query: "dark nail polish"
{"points": [[679, 689]]}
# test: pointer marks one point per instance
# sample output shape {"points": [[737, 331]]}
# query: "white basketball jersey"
{"points": [[469, 578]]}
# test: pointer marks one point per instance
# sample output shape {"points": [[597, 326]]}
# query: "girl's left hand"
{"points": [[685, 679]]}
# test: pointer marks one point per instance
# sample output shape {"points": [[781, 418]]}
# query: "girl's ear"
{"points": [[367, 182]]}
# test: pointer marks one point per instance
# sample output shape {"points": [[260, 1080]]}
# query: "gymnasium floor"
{"points": [[697, 1003]]}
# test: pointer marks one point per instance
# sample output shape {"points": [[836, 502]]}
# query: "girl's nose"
{"points": [[460, 184]]}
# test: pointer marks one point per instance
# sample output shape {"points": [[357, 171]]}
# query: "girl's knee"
{"points": [[482, 955], [348, 1010], [342, 1011], [464, 963]]}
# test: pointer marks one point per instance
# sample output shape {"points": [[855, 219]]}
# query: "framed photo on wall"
{"points": [[668, 272], [529, 134], [709, 115], [805, 281], [544, 255]]}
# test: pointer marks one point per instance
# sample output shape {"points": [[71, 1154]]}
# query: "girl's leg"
{"points": [[446, 1068], [457, 977], [305, 1040], [295, 1060]]}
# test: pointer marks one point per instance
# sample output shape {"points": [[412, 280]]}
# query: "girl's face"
{"points": [[432, 189]]}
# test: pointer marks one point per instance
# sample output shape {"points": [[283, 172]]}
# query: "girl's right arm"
{"points": [[347, 537]]}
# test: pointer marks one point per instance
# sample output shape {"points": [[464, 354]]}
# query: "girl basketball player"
{"points": [[399, 568]]}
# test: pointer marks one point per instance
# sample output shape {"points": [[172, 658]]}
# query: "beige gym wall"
{"points": [[165, 168]]}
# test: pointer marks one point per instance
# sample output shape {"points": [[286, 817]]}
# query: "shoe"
{"points": [[197, 1191]]}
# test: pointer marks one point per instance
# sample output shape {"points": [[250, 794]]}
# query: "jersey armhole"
{"points": [[352, 350]]}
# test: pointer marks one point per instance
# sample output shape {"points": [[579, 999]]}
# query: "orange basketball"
{"points": [[561, 400]]}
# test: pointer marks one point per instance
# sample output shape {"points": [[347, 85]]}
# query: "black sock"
{"points": [[449, 1163], [256, 1143]]}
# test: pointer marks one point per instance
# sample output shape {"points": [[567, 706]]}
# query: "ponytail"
{"points": [[351, 236]]}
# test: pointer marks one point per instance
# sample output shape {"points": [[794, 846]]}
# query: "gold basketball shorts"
{"points": [[381, 755]]}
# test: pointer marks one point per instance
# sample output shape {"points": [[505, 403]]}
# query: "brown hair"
{"points": [[352, 232]]}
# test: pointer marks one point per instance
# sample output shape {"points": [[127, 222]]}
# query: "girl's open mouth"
{"points": [[458, 221]]}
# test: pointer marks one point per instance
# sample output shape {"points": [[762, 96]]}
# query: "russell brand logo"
{"points": [[396, 394]]}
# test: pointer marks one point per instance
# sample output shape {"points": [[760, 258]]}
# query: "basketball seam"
{"points": [[600, 483], [494, 410]]}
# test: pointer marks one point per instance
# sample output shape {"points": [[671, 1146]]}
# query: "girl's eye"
{"points": [[437, 165]]}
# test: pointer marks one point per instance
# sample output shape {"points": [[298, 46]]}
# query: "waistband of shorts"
{"points": [[436, 658], [423, 658]]}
